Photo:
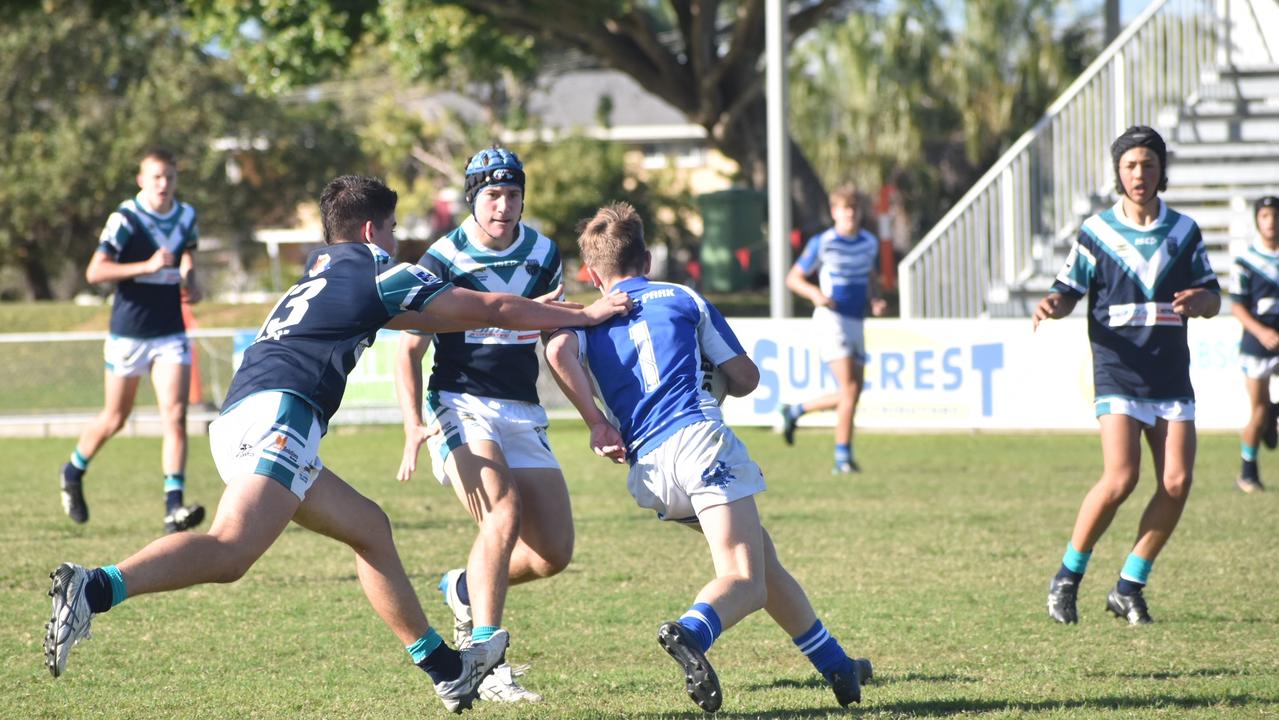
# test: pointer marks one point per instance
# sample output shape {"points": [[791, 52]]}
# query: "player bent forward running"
{"points": [[686, 464], [266, 443]]}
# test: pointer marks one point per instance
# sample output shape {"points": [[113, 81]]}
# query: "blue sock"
{"points": [[1074, 563], [843, 453], [174, 484], [703, 622], [79, 461], [480, 633], [1135, 574], [439, 661], [105, 589], [823, 650]]}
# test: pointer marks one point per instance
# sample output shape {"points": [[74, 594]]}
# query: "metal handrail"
{"points": [[1001, 231]]}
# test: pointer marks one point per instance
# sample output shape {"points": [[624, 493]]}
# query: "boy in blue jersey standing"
{"points": [[1254, 292], [266, 442], [1145, 271], [146, 250], [845, 260], [685, 463], [485, 428]]}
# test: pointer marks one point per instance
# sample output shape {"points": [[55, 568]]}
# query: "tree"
{"points": [[704, 57], [86, 92]]}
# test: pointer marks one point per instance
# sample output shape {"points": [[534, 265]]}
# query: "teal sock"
{"points": [[483, 632], [1248, 452], [80, 462], [1074, 560], [174, 485], [424, 645], [1136, 569], [119, 593]]}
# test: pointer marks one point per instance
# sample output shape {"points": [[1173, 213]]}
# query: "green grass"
{"points": [[934, 562]]}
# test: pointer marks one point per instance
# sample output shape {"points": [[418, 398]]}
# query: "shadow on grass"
{"points": [[960, 706]]}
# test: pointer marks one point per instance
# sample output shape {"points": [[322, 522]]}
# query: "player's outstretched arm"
{"points": [[457, 309], [742, 375], [562, 359], [1053, 307]]}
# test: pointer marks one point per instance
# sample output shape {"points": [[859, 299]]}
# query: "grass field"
{"points": [[933, 562]]}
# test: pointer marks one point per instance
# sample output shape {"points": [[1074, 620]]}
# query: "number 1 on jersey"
{"points": [[647, 357]]}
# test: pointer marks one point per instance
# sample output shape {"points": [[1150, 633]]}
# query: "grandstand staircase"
{"points": [[997, 251]]}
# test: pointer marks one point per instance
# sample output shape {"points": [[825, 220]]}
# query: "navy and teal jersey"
{"points": [[492, 362], [148, 305], [315, 334], [648, 365], [1130, 275], [843, 266], [1254, 284]]}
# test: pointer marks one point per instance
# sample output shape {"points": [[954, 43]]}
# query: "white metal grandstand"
{"points": [[1203, 72]]}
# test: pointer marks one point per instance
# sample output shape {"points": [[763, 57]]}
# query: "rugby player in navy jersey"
{"points": [[1254, 292], [1145, 270], [146, 249], [266, 442], [844, 261], [485, 428], [685, 463]]}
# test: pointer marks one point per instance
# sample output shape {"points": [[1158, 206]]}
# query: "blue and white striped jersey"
{"points": [[316, 332], [492, 362], [1254, 284], [843, 266], [149, 305], [1130, 275], [647, 366]]}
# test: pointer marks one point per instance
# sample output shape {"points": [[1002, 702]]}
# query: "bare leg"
{"points": [[1121, 466], [544, 546], [1259, 412], [1173, 446], [172, 383], [120, 393], [736, 543], [334, 509], [787, 604], [848, 373], [251, 515], [482, 481]]}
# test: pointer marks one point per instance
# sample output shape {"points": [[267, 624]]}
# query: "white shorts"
{"points": [[130, 357], [702, 465], [1256, 367], [275, 434], [518, 428], [840, 336], [1145, 411]]}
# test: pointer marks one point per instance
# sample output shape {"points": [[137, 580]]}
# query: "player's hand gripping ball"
{"points": [[714, 381]]}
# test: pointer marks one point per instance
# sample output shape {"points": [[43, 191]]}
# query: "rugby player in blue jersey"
{"points": [[844, 260], [685, 463], [146, 249], [1145, 270], [1254, 292], [266, 442], [485, 428]]}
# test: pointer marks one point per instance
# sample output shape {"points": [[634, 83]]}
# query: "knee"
{"points": [[755, 592], [230, 562], [553, 559], [1177, 485], [112, 422], [374, 530], [1117, 486]]}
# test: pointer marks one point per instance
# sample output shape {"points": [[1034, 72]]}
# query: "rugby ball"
{"points": [[713, 381]]}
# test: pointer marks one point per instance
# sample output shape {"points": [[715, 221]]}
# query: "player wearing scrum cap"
{"points": [[1145, 271]]}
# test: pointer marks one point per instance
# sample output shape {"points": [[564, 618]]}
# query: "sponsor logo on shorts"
{"points": [[718, 475], [246, 450]]}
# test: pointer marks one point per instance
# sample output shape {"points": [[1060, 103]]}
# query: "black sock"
{"points": [[1128, 587], [443, 664], [172, 500], [98, 591], [72, 475], [1249, 469], [1068, 574]]}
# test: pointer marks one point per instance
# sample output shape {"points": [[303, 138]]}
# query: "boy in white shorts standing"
{"points": [[1145, 271], [146, 250], [266, 442], [845, 259], [1254, 292], [686, 464], [485, 428]]}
